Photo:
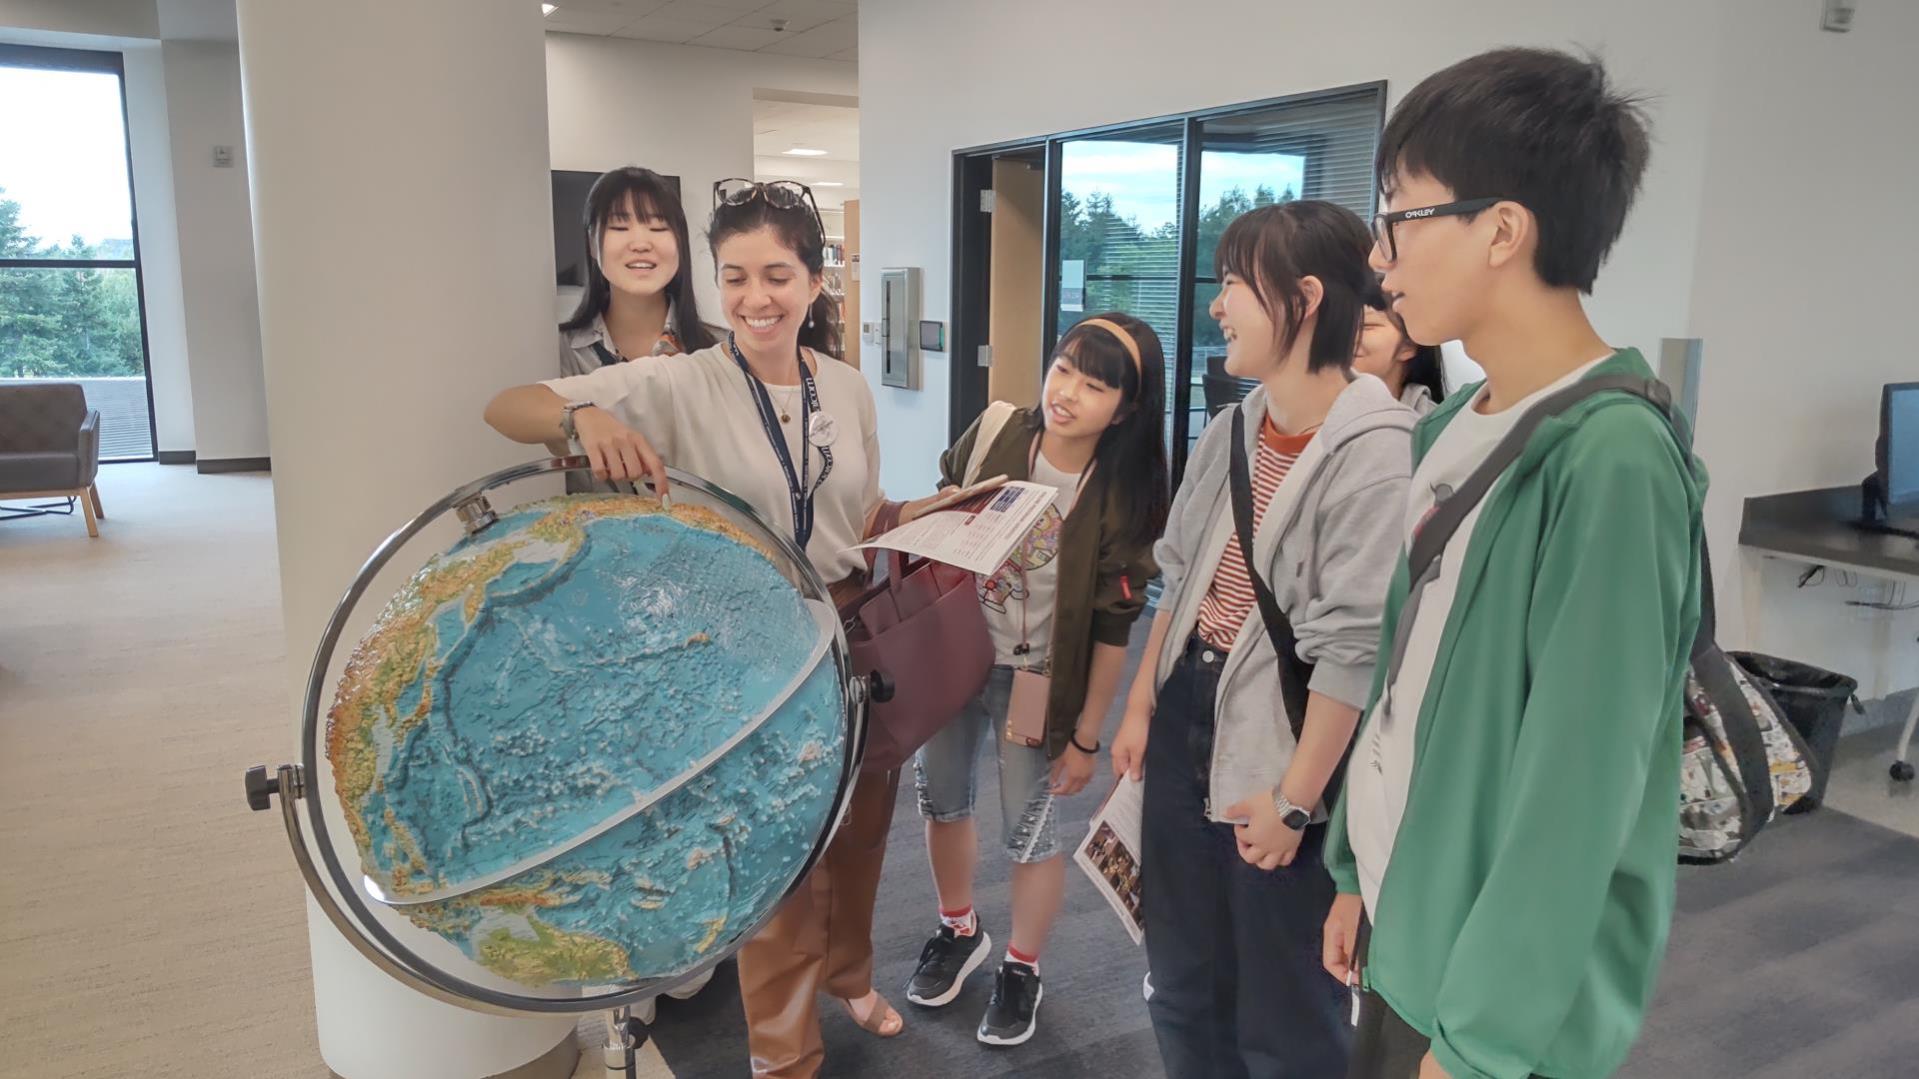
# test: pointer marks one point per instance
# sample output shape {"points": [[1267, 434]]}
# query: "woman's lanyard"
{"points": [[1025, 646], [815, 427]]}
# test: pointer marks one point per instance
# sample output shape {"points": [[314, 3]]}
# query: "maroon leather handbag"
{"points": [[922, 630]]}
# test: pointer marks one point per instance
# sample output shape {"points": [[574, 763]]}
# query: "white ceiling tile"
{"points": [[731, 9], [818, 10], [779, 125], [744, 38], [660, 28], [629, 9], [820, 42], [695, 11], [851, 55], [585, 22], [794, 24]]}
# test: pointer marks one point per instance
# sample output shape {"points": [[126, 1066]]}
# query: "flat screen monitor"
{"points": [[1899, 448], [570, 189]]}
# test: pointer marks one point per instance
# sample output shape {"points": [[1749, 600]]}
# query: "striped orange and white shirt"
{"points": [[1230, 599]]}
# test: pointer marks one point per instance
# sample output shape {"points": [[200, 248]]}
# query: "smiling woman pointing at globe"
{"points": [[770, 417]]}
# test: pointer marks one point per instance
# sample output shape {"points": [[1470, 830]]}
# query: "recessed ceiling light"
{"points": [[548, 9], [827, 183], [803, 151]]}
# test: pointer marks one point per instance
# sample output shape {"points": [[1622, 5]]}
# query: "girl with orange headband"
{"points": [[1060, 612]]}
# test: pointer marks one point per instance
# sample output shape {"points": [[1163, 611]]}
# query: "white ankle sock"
{"points": [[966, 926]]}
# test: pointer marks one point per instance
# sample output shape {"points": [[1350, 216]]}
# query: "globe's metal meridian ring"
{"points": [[336, 892]]}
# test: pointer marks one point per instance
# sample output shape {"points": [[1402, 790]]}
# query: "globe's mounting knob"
{"points": [[880, 687], [476, 515], [261, 788]]}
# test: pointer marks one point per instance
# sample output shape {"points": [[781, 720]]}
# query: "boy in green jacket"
{"points": [[1506, 846]]}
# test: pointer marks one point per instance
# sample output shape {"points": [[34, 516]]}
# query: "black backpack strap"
{"points": [[1451, 513], [1744, 738], [608, 357], [1295, 674], [1423, 556]]}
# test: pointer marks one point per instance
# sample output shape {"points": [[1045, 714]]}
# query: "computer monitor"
{"points": [[1899, 448], [1889, 498]]}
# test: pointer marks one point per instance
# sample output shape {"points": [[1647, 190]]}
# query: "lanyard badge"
{"points": [[820, 429]]}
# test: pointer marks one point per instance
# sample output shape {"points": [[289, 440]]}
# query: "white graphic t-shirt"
{"points": [[1025, 587]]}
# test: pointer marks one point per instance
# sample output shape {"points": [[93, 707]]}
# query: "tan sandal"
{"points": [[880, 1019]]}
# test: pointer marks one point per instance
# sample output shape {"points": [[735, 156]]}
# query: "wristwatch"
{"points": [[1291, 815], [567, 427]]}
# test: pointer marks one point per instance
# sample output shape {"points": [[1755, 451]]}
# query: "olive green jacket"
{"points": [[1102, 579]]}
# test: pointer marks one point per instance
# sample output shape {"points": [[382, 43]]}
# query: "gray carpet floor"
{"points": [[1801, 959]]}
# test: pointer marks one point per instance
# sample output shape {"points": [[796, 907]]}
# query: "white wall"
{"points": [[1800, 291], [149, 144], [675, 109], [222, 308], [937, 76], [1763, 225]]}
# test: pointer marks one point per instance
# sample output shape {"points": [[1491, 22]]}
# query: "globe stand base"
{"points": [[625, 1033], [560, 1062]]}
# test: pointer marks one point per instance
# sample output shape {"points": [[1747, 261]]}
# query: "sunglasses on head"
{"points": [[779, 194]]}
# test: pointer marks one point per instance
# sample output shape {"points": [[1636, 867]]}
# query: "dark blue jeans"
{"points": [[1238, 988]]}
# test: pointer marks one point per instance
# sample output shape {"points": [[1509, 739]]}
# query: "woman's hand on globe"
{"points": [[617, 451]]}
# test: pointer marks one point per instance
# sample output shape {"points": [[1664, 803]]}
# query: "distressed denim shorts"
{"points": [[946, 772]]}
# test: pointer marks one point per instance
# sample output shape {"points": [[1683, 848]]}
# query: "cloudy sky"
{"points": [[63, 153]]}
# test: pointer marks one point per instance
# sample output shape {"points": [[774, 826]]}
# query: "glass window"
{"points": [[1136, 222], [1119, 220], [70, 307], [64, 172], [1317, 149]]}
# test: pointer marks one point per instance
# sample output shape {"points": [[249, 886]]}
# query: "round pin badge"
{"points": [[822, 429]]}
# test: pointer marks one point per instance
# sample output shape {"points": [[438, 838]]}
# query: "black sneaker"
{"points": [[944, 964], [1013, 1014]]}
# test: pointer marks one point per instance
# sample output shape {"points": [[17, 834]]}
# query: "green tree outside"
{"points": [[63, 323], [1111, 245]]}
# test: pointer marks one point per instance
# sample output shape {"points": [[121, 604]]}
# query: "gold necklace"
{"points": [[786, 403]]}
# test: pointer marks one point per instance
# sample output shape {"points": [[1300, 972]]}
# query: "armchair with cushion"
{"points": [[50, 445]]}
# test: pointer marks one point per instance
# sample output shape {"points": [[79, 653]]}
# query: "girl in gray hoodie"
{"points": [[1236, 782]]}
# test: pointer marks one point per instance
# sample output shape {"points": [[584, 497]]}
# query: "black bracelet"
{"points": [[1075, 740]]}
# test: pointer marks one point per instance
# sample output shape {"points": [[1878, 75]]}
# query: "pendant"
{"points": [[784, 418]]}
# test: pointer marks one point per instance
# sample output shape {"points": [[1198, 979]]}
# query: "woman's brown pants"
{"points": [[819, 941]]}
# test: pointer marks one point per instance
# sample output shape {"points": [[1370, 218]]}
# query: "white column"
{"points": [[398, 159]]}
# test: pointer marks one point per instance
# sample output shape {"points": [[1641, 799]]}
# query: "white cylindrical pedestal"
{"points": [[399, 167]]}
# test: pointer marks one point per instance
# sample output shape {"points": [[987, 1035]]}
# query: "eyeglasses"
{"points": [[1383, 224], [779, 194]]}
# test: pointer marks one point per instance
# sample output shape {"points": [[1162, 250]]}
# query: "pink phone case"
{"points": [[1026, 712]]}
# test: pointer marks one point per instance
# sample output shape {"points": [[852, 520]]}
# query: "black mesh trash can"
{"points": [[1814, 700]]}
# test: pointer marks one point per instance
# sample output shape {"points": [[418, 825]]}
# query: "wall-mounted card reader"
{"points": [[900, 327]]}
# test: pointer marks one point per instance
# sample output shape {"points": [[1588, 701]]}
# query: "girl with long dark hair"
{"points": [[639, 297], [1060, 612]]}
